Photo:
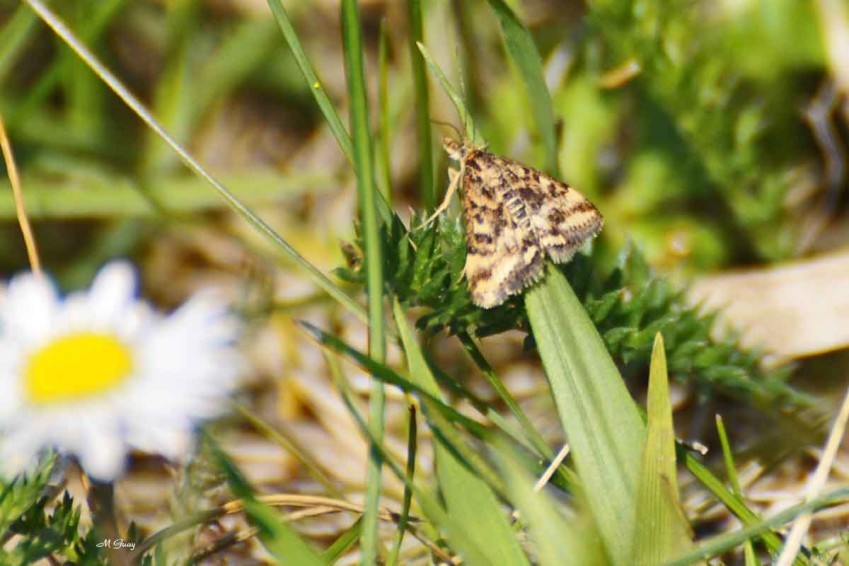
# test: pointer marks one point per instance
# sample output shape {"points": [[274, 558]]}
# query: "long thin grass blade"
{"points": [[367, 192], [429, 503], [324, 103], [750, 557], [469, 500], [277, 537], [13, 38], [452, 93], [427, 185], [522, 49], [723, 543], [732, 501]]}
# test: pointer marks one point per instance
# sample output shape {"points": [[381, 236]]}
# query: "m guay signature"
{"points": [[117, 543]]}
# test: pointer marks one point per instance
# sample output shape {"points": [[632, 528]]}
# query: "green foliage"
{"points": [[718, 95], [629, 305], [48, 528], [704, 140]]}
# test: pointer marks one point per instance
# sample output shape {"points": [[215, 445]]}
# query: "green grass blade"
{"points": [[734, 503], [289, 443], [723, 543], [429, 503], [14, 37], [522, 49], [404, 516], [114, 197], [352, 42], [319, 278], [533, 436], [332, 118], [750, 557], [85, 98], [661, 530], [277, 537], [596, 411], [325, 105], [240, 53], [471, 503], [427, 185], [92, 28], [449, 438], [384, 141], [728, 457], [172, 98], [386, 375], [452, 93], [468, 498], [343, 543], [557, 540]]}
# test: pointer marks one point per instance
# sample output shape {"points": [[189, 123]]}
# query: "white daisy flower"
{"points": [[100, 373]]}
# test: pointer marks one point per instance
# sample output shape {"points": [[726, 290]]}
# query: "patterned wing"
{"points": [[561, 218], [503, 255]]}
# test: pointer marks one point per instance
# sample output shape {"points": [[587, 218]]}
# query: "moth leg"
{"points": [[462, 275], [452, 188]]}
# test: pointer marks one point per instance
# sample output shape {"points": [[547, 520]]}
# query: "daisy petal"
{"points": [[100, 373]]}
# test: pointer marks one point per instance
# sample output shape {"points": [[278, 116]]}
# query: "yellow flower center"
{"points": [[76, 366]]}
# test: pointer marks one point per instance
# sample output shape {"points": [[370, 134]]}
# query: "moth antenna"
{"points": [[450, 125]]}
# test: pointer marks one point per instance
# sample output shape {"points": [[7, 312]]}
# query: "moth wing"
{"points": [[562, 218], [503, 256]]}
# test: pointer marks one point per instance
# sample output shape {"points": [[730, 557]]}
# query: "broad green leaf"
{"points": [[600, 419], [661, 530]]}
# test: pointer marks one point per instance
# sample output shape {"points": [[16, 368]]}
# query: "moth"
{"points": [[515, 218]]}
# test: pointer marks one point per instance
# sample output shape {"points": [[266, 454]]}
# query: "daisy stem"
{"points": [[101, 502]]}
